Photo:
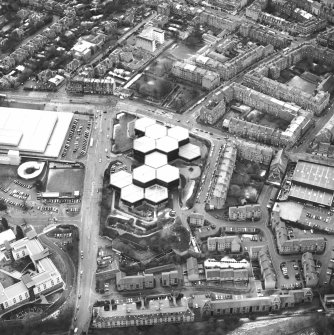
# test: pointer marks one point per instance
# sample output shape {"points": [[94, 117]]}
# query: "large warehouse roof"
{"points": [[142, 123], [313, 174], [132, 193], [156, 194], [156, 131], [179, 133], [120, 179], [156, 160], [144, 144], [32, 131], [168, 173], [144, 174], [190, 151], [312, 195], [167, 144]]}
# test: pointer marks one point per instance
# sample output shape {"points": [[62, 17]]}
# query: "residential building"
{"points": [[130, 283], [259, 78], [254, 251], [267, 269], [79, 84], [148, 38], [277, 168], [227, 275], [217, 20], [223, 176], [247, 212], [326, 133], [212, 111], [224, 243], [263, 35], [196, 219], [287, 245], [155, 312], [243, 304], [171, 278], [253, 151], [207, 79], [310, 274]]}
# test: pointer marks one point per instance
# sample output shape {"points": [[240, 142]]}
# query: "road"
{"points": [[89, 225]]}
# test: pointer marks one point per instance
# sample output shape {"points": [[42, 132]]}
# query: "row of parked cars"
{"points": [[70, 136], [12, 203], [48, 209], [86, 137], [17, 182], [19, 195], [73, 210]]}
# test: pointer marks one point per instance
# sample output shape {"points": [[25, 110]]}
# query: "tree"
{"points": [[5, 223], [3, 205], [38, 184], [19, 232]]}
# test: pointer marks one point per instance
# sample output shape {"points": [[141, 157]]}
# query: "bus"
{"points": [[91, 142]]}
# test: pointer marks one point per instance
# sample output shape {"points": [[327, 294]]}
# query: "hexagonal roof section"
{"points": [[156, 193], [142, 123], [166, 144], [120, 179], [168, 173], [190, 151], [156, 160], [143, 174], [156, 131], [179, 133], [144, 144], [132, 193]]}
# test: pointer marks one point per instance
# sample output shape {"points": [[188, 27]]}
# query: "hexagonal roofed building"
{"points": [[156, 131], [144, 176], [169, 146], [180, 134], [141, 125], [143, 146], [168, 176], [120, 179], [132, 195], [156, 194], [189, 152], [156, 160]]}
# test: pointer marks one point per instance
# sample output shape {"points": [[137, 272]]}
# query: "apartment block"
{"points": [[310, 274], [326, 133], [227, 275], [222, 243], [289, 246], [267, 269], [170, 278], [326, 38], [217, 20], [247, 212], [130, 283], [207, 79], [196, 219], [259, 78], [155, 312], [264, 35], [223, 176], [80, 84]]}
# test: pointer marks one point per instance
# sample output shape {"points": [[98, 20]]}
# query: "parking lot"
{"points": [[318, 218], [291, 275], [77, 140]]}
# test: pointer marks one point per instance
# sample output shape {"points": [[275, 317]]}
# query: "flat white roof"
{"points": [[144, 173], [120, 179], [156, 193], [7, 235], [179, 133], [142, 123], [190, 151], [168, 173], [167, 144], [42, 132], [132, 193], [144, 144], [156, 131], [156, 160]]}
